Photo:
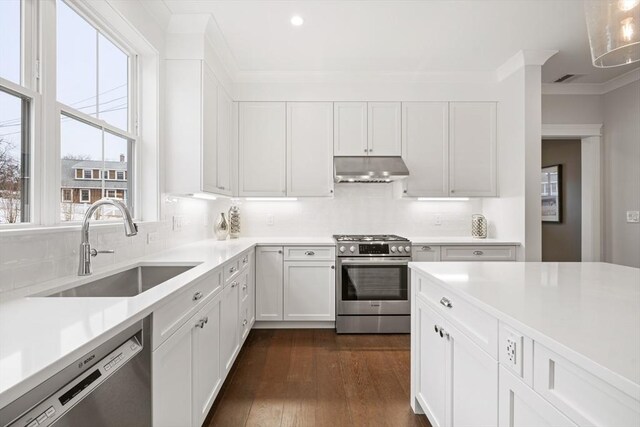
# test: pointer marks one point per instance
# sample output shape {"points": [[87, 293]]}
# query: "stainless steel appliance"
{"points": [[372, 284], [109, 386], [369, 169]]}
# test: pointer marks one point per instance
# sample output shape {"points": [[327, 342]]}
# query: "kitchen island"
{"points": [[526, 343]]}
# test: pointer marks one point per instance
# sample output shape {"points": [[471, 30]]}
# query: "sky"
{"points": [[92, 77]]}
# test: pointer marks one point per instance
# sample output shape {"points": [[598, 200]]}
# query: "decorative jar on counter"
{"points": [[478, 226], [234, 221], [221, 227]]}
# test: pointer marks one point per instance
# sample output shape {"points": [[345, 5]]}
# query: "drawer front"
{"points": [[579, 394], [243, 280], [478, 253], [425, 253], [311, 253], [231, 269], [168, 318], [245, 320], [479, 326]]}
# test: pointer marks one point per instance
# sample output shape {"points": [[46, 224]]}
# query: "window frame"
{"points": [[65, 199], [82, 192]]}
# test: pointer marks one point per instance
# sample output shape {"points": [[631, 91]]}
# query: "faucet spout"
{"points": [[130, 229]]}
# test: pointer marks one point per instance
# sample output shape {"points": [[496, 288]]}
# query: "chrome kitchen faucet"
{"points": [[130, 229]]}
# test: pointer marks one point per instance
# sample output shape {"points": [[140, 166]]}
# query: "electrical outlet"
{"points": [[438, 220], [633, 216], [153, 237], [512, 351], [270, 220], [177, 222]]}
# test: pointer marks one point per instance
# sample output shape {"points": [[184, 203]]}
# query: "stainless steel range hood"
{"points": [[369, 169]]}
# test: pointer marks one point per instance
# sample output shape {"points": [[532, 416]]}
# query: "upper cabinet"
{"points": [[384, 138], [262, 149], [472, 149], [309, 149], [350, 129], [425, 148], [450, 149], [198, 130]]}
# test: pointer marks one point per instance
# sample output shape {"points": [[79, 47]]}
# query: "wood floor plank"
{"points": [[317, 378]]}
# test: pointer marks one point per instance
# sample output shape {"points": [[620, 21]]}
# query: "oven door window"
{"points": [[377, 283]]}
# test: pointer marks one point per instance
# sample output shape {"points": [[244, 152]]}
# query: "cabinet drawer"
{"points": [[311, 253], [479, 326], [168, 318], [478, 253], [579, 394], [230, 269], [425, 253]]}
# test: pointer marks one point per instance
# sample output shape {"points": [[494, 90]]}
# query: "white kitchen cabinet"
{"points": [[171, 380], [269, 276], [309, 290], [472, 149], [309, 149], [425, 148], [425, 253], [520, 406], [384, 129], [207, 366], [224, 143], [262, 149], [350, 129], [247, 296], [230, 340]]}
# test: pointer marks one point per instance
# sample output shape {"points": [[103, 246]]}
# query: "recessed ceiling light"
{"points": [[296, 20]]}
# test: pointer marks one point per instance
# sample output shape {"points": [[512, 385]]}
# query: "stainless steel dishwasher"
{"points": [[109, 386]]}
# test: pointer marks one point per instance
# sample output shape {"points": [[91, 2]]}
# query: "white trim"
{"points": [[521, 59], [287, 324], [591, 88], [591, 183]]}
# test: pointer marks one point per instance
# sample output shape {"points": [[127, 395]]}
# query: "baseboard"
{"points": [[294, 325]]}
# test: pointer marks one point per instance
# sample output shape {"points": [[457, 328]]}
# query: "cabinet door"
{"points": [[171, 380], [350, 128], [225, 135], [425, 253], [472, 149], [520, 406], [309, 149], [474, 373], [309, 290], [425, 148], [262, 149], [229, 326], [431, 365], [244, 315], [269, 265], [209, 130], [207, 369], [385, 129]]}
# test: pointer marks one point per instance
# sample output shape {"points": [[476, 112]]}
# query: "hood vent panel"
{"points": [[369, 169]]}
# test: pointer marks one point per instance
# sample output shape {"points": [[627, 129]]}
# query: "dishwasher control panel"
{"points": [[53, 407]]}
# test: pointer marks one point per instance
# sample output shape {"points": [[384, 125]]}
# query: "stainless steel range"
{"points": [[372, 284]]}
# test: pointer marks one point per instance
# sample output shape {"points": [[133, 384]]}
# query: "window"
{"points": [[10, 43], [85, 195], [67, 195], [92, 89], [111, 194]]}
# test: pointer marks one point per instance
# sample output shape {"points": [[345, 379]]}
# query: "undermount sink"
{"points": [[127, 283]]}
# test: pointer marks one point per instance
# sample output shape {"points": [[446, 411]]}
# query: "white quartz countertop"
{"points": [[39, 335], [590, 310], [453, 241]]}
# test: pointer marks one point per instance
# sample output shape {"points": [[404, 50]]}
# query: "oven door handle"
{"points": [[374, 261]]}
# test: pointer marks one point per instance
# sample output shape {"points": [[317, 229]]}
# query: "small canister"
{"points": [[234, 221], [478, 226]]}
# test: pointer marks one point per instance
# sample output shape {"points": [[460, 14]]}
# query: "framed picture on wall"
{"points": [[551, 192]]}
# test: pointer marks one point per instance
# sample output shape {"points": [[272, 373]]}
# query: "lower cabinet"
{"points": [[520, 406], [456, 381], [186, 374], [230, 340], [309, 290], [269, 265]]}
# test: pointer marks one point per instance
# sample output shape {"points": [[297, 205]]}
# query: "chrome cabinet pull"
{"points": [[426, 248], [245, 260], [446, 302], [310, 253], [444, 334], [197, 296], [280, 251], [436, 328], [234, 284], [232, 269], [478, 253], [244, 287], [202, 322], [365, 150], [245, 322], [333, 267]]}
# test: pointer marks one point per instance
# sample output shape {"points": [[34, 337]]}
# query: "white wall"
{"points": [[572, 109], [621, 174]]}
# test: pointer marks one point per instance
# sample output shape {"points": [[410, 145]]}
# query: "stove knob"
{"points": [[400, 249], [393, 248], [342, 249], [352, 248], [407, 249]]}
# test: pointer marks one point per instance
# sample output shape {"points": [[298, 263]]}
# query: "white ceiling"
{"points": [[399, 36]]}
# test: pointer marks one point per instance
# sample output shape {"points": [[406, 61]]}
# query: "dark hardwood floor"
{"points": [[305, 377]]}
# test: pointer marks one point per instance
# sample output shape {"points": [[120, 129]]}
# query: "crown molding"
{"points": [[591, 88], [482, 77], [522, 59]]}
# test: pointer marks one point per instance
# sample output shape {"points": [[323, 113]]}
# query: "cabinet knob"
{"points": [[202, 322], [280, 251], [478, 253], [436, 328], [245, 322], [232, 269], [333, 267], [371, 150], [331, 191], [234, 284], [446, 302], [365, 150], [444, 334], [244, 287], [197, 296], [453, 191]]}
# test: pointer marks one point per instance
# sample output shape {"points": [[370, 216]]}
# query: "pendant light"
{"points": [[614, 31]]}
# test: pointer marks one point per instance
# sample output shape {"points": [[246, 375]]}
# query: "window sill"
{"points": [[22, 229]]}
